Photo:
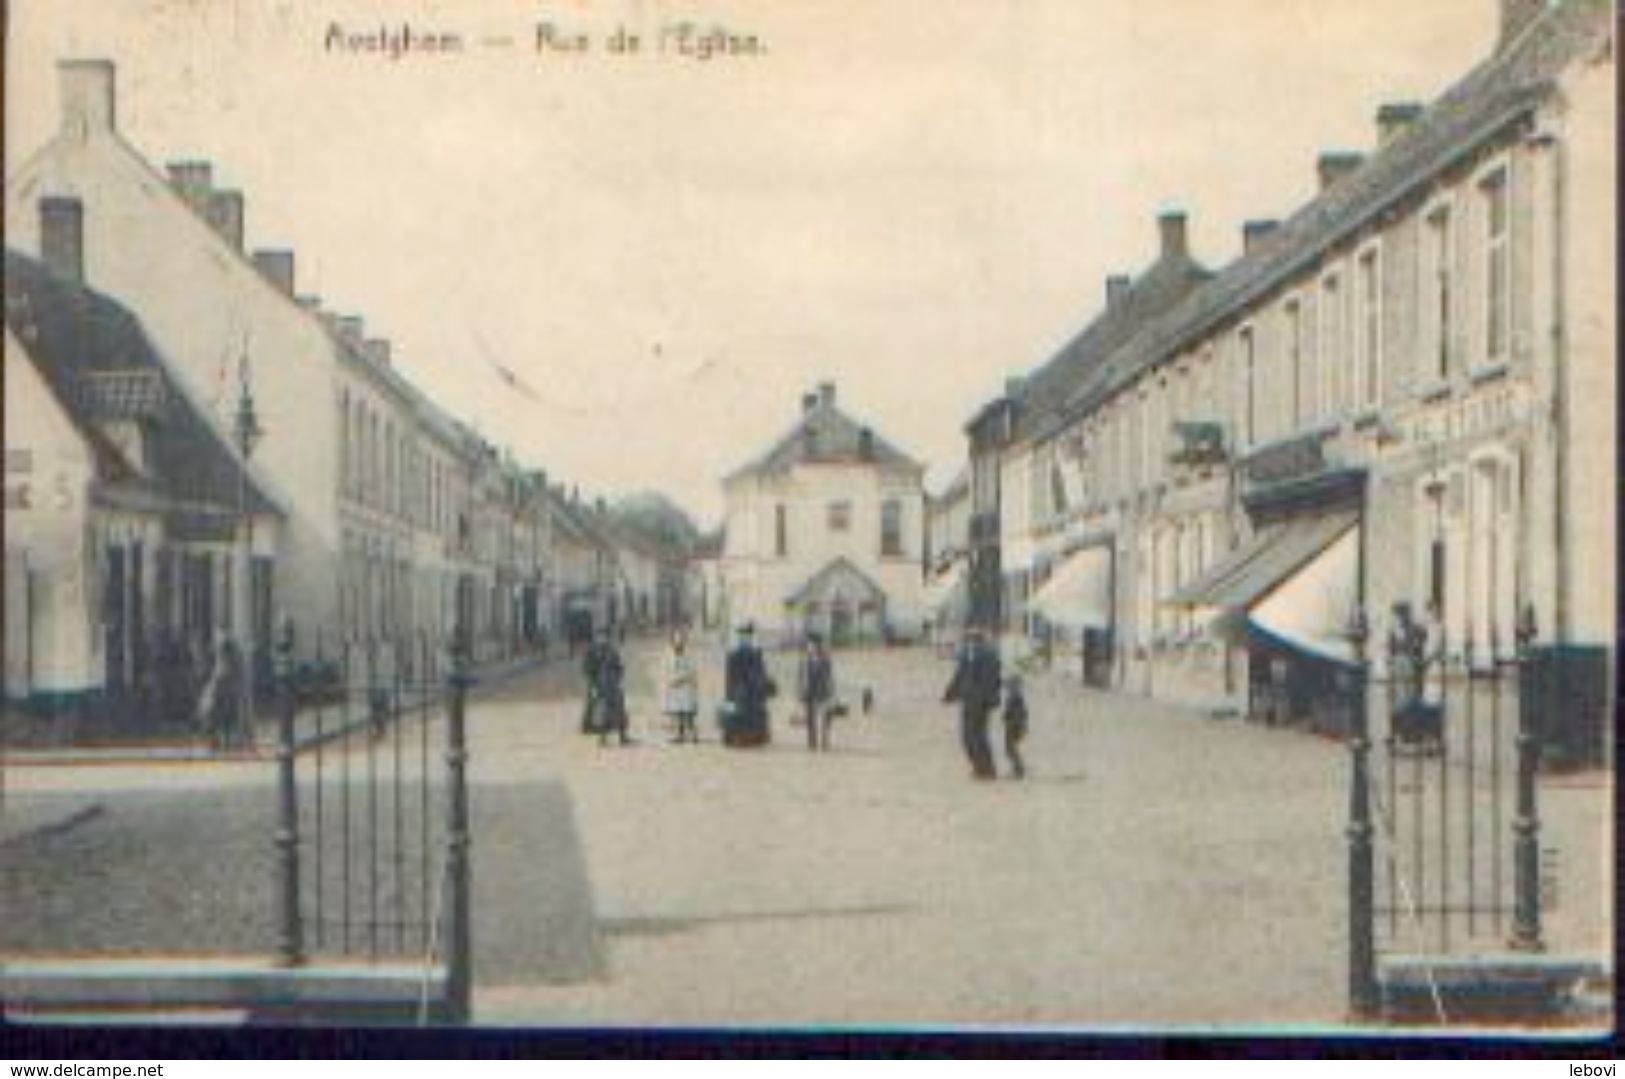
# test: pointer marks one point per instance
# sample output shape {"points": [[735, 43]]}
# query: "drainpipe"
{"points": [[1562, 583], [1560, 396]]}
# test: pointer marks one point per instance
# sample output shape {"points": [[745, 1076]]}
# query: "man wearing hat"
{"points": [[975, 687], [747, 689], [605, 673], [815, 689]]}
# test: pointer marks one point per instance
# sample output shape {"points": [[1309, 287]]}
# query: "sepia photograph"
{"points": [[1080, 517]]}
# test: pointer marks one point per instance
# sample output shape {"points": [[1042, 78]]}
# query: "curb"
{"points": [[82, 815]]}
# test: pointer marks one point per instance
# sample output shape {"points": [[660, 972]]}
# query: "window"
{"points": [[1142, 448], [891, 528], [781, 530], [62, 237], [374, 470], [1497, 279], [1294, 365], [840, 516], [1331, 345], [1057, 489], [346, 452], [1369, 329], [1249, 386], [1436, 294], [387, 492]]}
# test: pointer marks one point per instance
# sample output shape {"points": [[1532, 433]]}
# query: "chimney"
{"points": [[1333, 165], [1516, 15], [86, 87], [1116, 290], [62, 237], [1256, 232], [826, 393], [1171, 226], [276, 266], [378, 350], [351, 328], [193, 181], [809, 401], [225, 216], [1394, 119]]}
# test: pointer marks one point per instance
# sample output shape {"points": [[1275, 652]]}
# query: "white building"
{"points": [[392, 508], [825, 532], [1401, 393], [126, 510]]}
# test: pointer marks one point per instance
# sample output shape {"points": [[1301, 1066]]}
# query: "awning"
{"points": [[1310, 611], [1079, 594], [1294, 582], [1252, 570]]}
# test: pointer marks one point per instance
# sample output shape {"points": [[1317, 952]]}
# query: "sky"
{"points": [[914, 199]]}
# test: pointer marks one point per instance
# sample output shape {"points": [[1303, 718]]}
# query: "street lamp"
{"points": [[248, 434]]}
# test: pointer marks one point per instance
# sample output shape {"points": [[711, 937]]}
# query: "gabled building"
{"points": [[588, 589], [824, 532], [1023, 473], [128, 513]]}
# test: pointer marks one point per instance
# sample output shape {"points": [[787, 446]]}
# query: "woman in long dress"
{"points": [[682, 689]]}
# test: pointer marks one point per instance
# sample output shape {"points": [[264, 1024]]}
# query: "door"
{"points": [[840, 622], [113, 622]]}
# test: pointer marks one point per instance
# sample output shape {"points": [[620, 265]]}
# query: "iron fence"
{"points": [[1444, 821], [373, 836]]}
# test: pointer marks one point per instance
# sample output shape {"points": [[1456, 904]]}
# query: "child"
{"points": [[1015, 725]]}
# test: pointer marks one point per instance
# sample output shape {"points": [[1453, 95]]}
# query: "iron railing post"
{"points": [[290, 943], [460, 935], [1526, 934], [1362, 913]]}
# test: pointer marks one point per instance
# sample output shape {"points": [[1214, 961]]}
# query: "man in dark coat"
{"points": [[611, 697], [747, 688], [592, 664], [815, 689], [975, 687]]}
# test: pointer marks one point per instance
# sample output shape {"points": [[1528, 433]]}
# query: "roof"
{"points": [[840, 566], [102, 366], [1474, 110], [1042, 396], [710, 544], [826, 435], [569, 518], [957, 488]]}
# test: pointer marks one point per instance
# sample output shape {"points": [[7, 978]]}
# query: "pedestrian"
{"points": [[1430, 660], [220, 699], [747, 689], [682, 689], [975, 687], [611, 696], [591, 660], [1015, 725], [815, 690]]}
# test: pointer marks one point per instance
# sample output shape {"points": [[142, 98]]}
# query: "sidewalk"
{"points": [[313, 724]]}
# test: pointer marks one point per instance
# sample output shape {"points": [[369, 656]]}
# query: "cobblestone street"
{"points": [[1157, 867]]}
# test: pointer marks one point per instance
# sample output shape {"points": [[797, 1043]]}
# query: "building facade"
{"points": [[824, 532], [1385, 399], [128, 516], [396, 521]]}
